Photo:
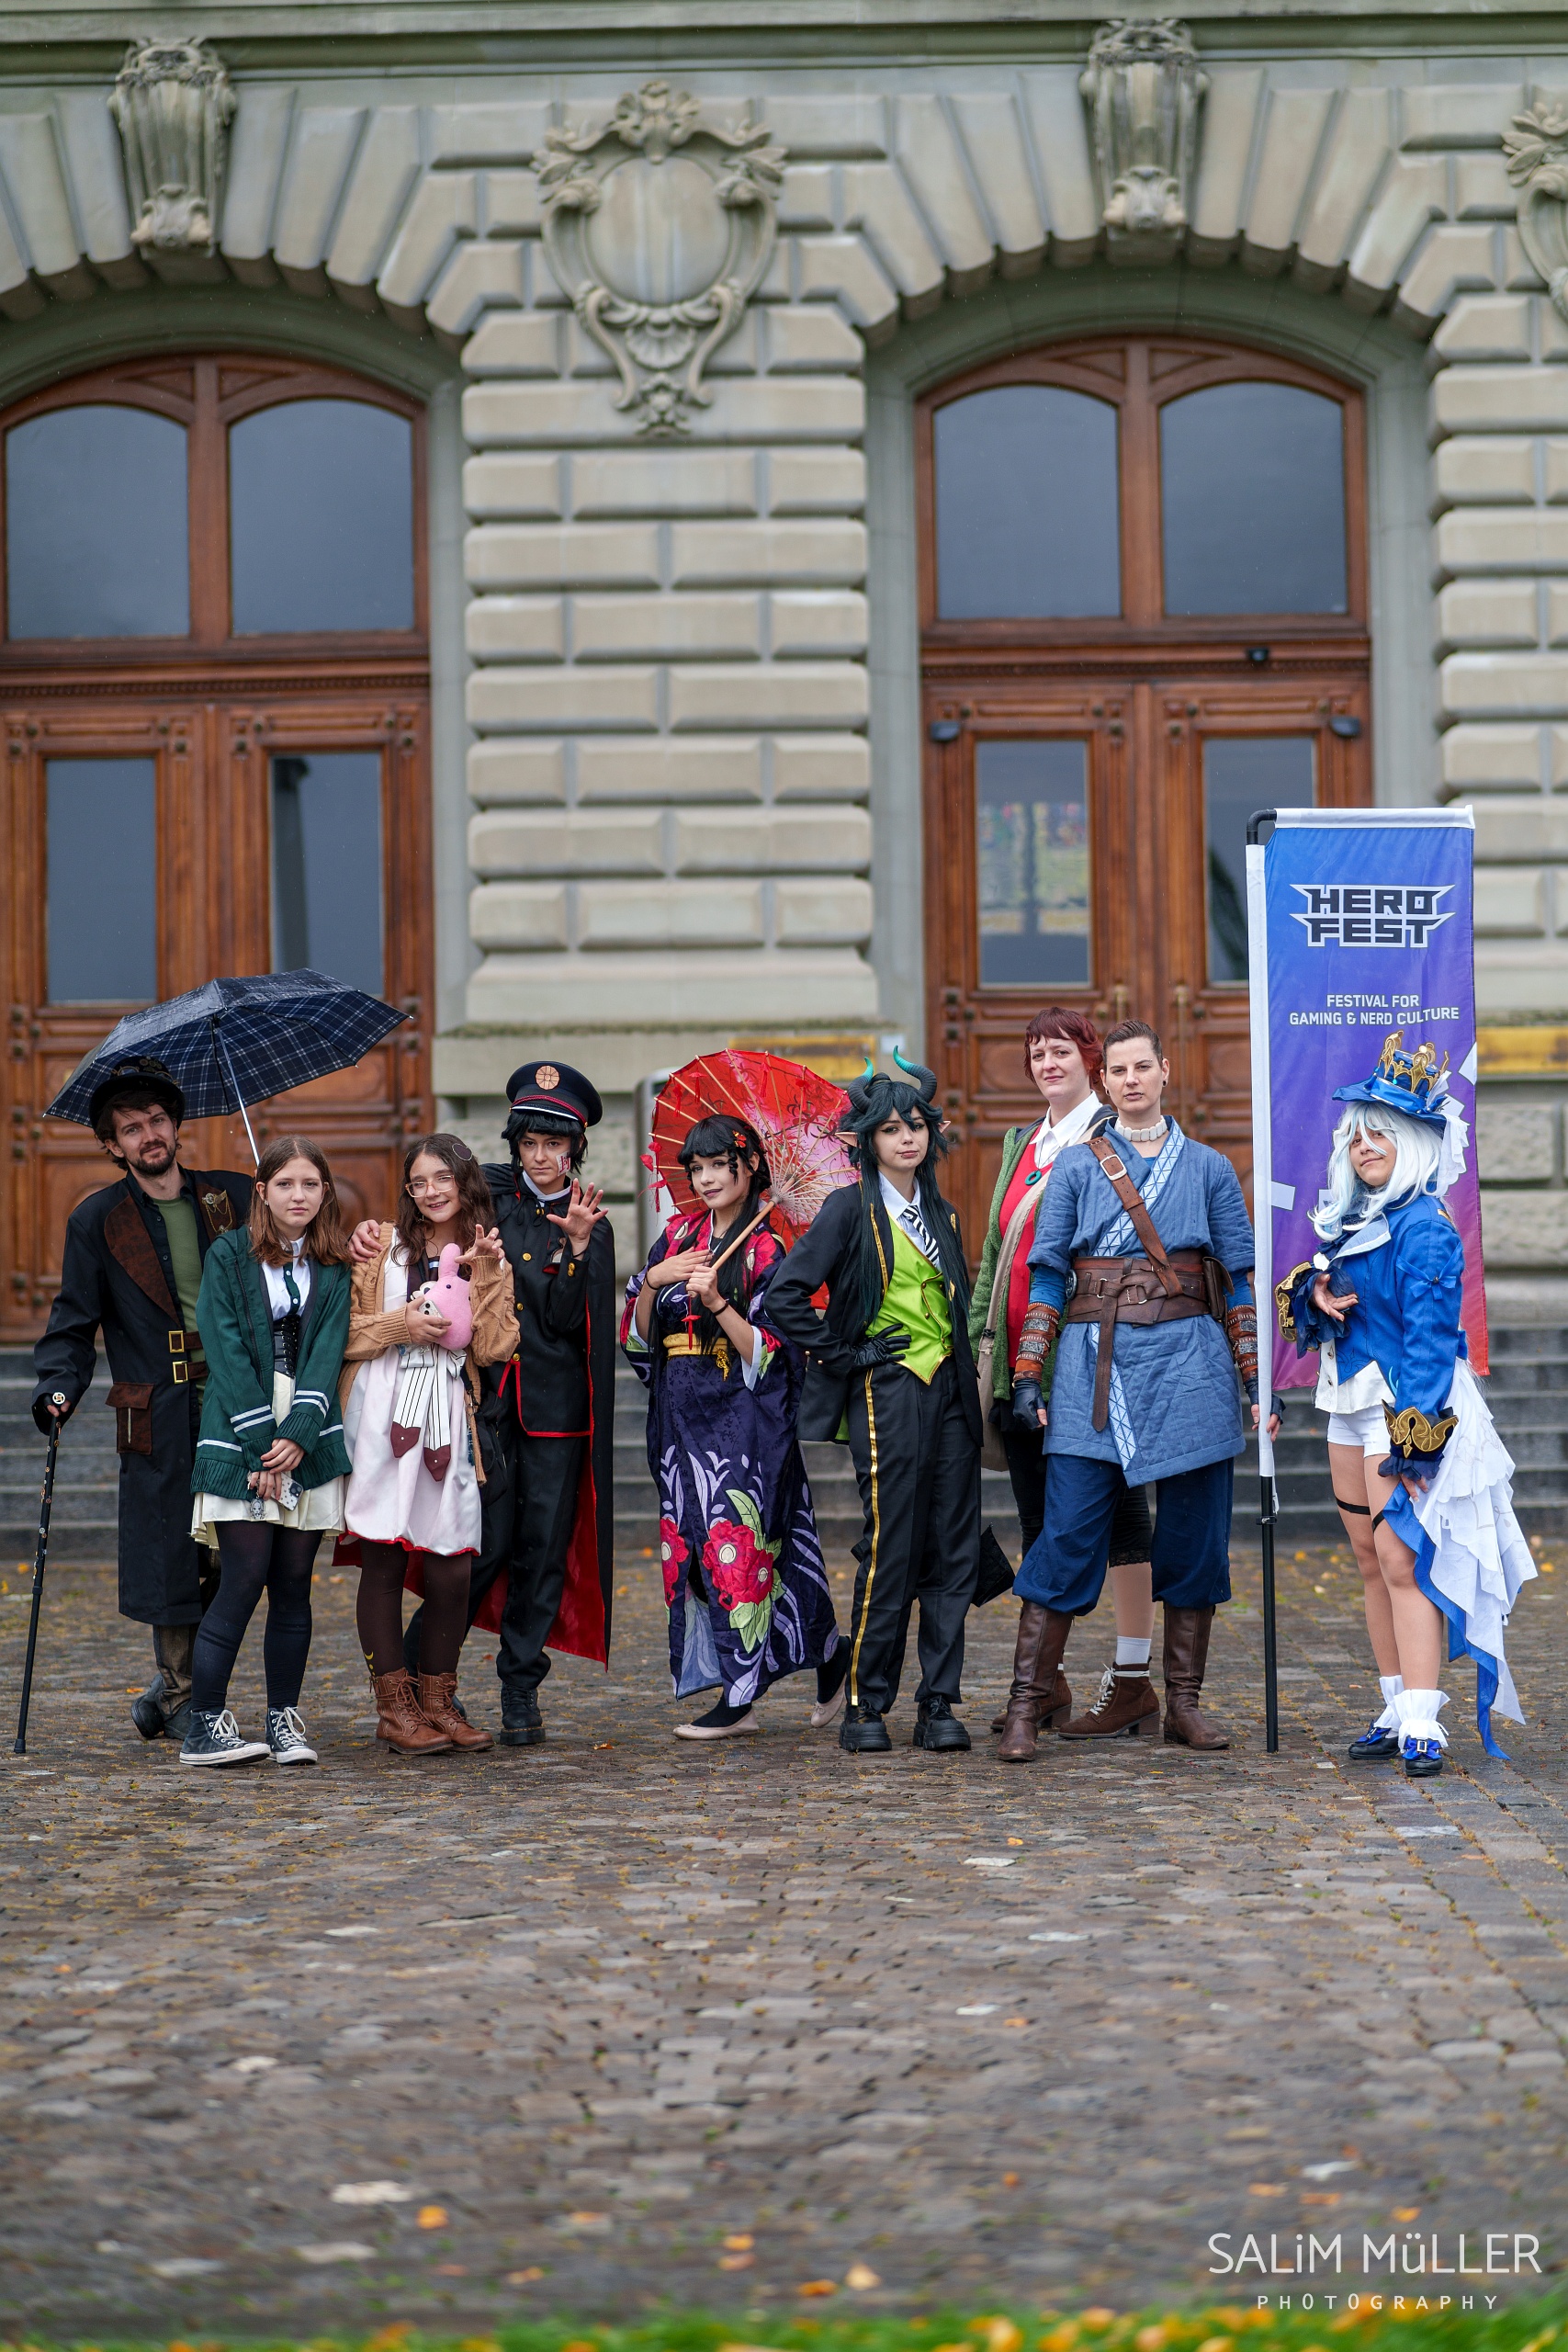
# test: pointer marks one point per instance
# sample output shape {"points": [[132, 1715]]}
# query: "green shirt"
{"points": [[916, 1302], [184, 1250]]}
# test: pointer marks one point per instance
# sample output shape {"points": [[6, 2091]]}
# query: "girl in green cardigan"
{"points": [[270, 1461]]}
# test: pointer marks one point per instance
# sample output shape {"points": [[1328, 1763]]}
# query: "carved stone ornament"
{"points": [[174, 102], [658, 227], [1537, 150], [1144, 89]]}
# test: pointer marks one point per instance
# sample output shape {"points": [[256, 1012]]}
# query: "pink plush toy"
{"points": [[450, 1295]]}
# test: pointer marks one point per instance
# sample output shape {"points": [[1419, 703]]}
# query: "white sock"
{"points": [[1132, 1653], [1418, 1713], [1390, 1685]]}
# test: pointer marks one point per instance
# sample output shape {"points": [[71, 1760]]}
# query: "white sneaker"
{"points": [[214, 1738], [285, 1737]]}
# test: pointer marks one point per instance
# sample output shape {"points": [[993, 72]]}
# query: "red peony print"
{"points": [[740, 1568], [672, 1554]]}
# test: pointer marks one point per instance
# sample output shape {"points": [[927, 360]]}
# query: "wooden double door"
{"points": [[1083, 841], [155, 837]]}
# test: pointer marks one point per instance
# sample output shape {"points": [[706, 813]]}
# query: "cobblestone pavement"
{"points": [[622, 2020]]}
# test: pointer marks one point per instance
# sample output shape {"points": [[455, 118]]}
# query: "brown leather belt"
{"points": [[1132, 1290]]}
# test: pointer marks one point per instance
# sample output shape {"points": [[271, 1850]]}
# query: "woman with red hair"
{"points": [[1063, 1056]]}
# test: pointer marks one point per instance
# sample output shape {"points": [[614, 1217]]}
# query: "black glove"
{"points": [[885, 1347], [1028, 1404], [43, 1419]]}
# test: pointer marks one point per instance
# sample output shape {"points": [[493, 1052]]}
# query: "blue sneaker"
{"points": [[1378, 1741], [1423, 1758]]}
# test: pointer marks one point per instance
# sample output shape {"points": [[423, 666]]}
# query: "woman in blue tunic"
{"points": [[743, 1574], [1420, 1474]]}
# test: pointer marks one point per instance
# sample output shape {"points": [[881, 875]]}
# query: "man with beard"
{"points": [[132, 1267]]}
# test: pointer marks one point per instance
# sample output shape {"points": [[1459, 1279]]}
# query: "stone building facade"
{"points": [[679, 768]]}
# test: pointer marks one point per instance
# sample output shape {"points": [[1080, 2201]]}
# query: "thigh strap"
{"points": [[1358, 1510], [1377, 1518]]}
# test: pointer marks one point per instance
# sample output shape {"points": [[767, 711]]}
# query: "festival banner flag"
{"points": [[1361, 923]]}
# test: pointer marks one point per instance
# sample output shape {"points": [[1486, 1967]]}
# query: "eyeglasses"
{"points": [[420, 1185]]}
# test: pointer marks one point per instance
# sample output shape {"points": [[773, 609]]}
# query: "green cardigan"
{"points": [[234, 1318], [1014, 1144]]}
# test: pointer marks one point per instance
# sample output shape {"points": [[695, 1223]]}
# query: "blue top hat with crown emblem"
{"points": [[1408, 1081]]}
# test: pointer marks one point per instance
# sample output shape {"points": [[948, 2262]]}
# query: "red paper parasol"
{"points": [[796, 1112]]}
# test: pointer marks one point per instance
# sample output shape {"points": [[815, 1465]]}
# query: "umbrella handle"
{"points": [[730, 1247], [222, 1053]]}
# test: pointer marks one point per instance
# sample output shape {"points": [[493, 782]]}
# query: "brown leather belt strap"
{"points": [[1115, 1173], [1119, 1290]]}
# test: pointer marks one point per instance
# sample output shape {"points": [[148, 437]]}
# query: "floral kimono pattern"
{"points": [[743, 1575]]}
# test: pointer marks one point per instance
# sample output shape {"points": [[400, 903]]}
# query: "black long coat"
{"points": [[829, 1252], [562, 1380], [118, 1276]]}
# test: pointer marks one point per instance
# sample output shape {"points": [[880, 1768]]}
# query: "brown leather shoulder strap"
{"points": [[1115, 1172]]}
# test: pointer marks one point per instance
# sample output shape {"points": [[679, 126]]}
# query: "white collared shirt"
{"points": [[906, 1214], [1054, 1135], [277, 1289]]}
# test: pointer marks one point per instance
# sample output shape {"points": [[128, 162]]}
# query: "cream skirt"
{"points": [[319, 1509]]}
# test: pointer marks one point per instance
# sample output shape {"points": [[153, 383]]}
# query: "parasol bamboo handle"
{"points": [[731, 1246]]}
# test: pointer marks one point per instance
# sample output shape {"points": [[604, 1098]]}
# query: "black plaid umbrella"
{"points": [[233, 1042]]}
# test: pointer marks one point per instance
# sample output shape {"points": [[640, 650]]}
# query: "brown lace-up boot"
{"points": [[1125, 1707], [437, 1694], [1186, 1656], [1056, 1712], [401, 1723], [1037, 1659]]}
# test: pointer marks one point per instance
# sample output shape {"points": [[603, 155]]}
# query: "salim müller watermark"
{"points": [[1420, 2264]]}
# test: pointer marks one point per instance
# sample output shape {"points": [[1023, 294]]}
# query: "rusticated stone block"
{"points": [[1501, 400], [812, 912], [502, 771], [758, 840], [664, 481], [516, 629], [1510, 902], [786, 693], [552, 699], [517, 915], [1478, 470], [821, 767], [1490, 759], [1488, 612], [769, 554], [1504, 685], [716, 768], [816, 482], [524, 489], [579, 840], [1516, 1144], [620, 628], [571, 555], [805, 621], [679, 914], [1516, 540]]}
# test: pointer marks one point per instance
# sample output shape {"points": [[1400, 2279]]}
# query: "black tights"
{"points": [[255, 1558], [380, 1607]]}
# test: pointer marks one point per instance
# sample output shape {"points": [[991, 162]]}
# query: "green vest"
{"points": [[916, 1302]]}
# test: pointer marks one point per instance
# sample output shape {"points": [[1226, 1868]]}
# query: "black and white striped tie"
{"points": [[915, 1225]]}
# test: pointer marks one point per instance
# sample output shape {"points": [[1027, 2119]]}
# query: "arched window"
{"points": [[1143, 587], [212, 642]]}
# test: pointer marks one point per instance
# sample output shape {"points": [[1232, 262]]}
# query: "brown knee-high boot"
{"points": [[1041, 1638], [1186, 1656]]}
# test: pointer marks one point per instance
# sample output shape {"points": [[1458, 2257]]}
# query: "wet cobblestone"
{"points": [[621, 2019]]}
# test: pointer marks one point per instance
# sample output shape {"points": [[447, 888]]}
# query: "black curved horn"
{"points": [[859, 1089], [917, 1071]]}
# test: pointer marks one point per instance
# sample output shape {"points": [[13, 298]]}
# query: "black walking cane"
{"points": [[46, 1502]]}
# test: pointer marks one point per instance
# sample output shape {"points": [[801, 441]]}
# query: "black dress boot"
{"points": [[936, 1725], [864, 1733], [147, 1712], [522, 1725]]}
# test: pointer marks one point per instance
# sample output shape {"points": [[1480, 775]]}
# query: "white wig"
{"points": [[1417, 1156]]}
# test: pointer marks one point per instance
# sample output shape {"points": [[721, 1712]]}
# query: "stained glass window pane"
{"points": [[1028, 515], [1252, 493], [320, 518], [326, 866], [103, 908], [96, 536], [1032, 860], [1243, 773]]}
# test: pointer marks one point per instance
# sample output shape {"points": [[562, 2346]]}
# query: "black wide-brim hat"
{"points": [[138, 1074], [555, 1089]]}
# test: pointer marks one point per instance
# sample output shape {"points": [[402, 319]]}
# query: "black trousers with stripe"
{"points": [[918, 1469]]}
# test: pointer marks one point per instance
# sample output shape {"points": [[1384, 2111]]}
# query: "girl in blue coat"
{"points": [[1420, 1476]]}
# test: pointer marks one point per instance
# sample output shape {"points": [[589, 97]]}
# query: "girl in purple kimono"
{"points": [[743, 1575]]}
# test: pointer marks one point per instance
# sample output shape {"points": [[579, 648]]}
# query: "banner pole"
{"points": [[1263, 1251]]}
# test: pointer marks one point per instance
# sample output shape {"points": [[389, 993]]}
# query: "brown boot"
{"points": [[1125, 1707], [401, 1723], [436, 1694], [1056, 1713], [1186, 1655], [1036, 1662]]}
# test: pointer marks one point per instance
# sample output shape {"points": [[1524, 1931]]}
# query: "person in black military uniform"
{"points": [[542, 1579], [132, 1267]]}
